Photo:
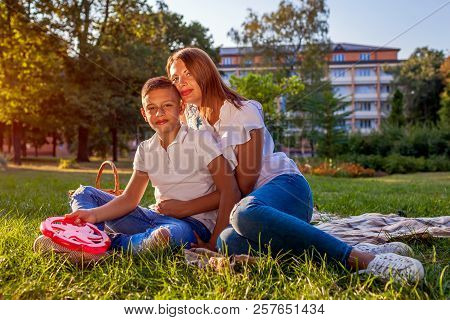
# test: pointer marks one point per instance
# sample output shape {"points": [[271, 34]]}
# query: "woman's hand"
{"points": [[82, 215], [201, 244], [172, 208]]}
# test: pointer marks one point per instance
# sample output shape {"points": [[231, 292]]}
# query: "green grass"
{"points": [[27, 196]]}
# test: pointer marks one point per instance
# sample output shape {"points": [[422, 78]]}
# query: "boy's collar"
{"points": [[179, 137]]}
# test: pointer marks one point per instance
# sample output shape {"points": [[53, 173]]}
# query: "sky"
{"points": [[377, 23]]}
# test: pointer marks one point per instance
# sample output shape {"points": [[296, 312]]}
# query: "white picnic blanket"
{"points": [[374, 228]]}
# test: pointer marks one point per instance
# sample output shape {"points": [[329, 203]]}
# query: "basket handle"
{"points": [[116, 175]]}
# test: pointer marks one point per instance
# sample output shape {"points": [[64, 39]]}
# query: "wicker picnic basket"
{"points": [[116, 191]]}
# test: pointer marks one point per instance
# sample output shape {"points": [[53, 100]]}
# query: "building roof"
{"points": [[344, 46], [338, 46]]}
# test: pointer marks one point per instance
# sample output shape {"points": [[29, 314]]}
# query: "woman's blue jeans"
{"points": [[278, 214], [131, 230]]}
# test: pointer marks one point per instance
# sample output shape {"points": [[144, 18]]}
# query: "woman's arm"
{"points": [[249, 156], [119, 206], [229, 195]]}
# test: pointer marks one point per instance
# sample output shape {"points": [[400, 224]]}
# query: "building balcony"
{"points": [[365, 96], [365, 114], [386, 78], [371, 79], [366, 130], [384, 96], [340, 80]]}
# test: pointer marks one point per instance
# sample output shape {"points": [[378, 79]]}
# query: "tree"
{"points": [[31, 67], [280, 36], [294, 40], [444, 112], [396, 117], [135, 45], [114, 46], [327, 120], [420, 82], [264, 89]]}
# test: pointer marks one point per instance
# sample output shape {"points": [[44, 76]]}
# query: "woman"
{"points": [[277, 201]]}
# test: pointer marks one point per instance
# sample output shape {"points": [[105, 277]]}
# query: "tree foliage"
{"points": [[420, 82], [396, 116], [266, 90], [444, 112], [77, 66], [280, 36]]}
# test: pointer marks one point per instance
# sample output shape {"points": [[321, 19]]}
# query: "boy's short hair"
{"points": [[158, 83]]}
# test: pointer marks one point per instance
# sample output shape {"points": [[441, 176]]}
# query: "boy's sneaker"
{"points": [[46, 245], [400, 268], [391, 247]]}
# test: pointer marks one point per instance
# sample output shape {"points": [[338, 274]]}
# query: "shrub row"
{"points": [[419, 141], [396, 163]]}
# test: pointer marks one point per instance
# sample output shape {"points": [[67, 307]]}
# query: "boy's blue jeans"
{"points": [[278, 213], [131, 230]]}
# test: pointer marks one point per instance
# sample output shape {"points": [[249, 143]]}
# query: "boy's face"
{"points": [[161, 109]]}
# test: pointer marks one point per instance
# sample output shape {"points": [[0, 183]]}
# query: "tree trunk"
{"points": [[35, 151], [24, 149], [17, 136], [83, 151], [10, 139], [54, 145], [2, 127], [114, 144]]}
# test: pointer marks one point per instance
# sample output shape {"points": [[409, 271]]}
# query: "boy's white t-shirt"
{"points": [[233, 129], [181, 172]]}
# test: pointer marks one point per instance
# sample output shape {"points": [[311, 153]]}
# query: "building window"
{"points": [[363, 106], [365, 124], [248, 62], [365, 89], [341, 124], [363, 72], [227, 75], [339, 73], [364, 56], [227, 61], [341, 90], [338, 57]]}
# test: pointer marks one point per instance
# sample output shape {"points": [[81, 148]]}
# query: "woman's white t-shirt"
{"points": [[233, 129]]}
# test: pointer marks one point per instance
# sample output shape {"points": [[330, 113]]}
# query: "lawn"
{"points": [[30, 194]]}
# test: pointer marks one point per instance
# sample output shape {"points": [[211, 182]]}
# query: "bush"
{"points": [[438, 163], [353, 170], [68, 164], [345, 169], [396, 163], [415, 141]]}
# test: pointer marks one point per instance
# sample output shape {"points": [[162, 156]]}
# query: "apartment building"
{"points": [[357, 73]]}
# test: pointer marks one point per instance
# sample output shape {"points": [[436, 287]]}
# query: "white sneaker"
{"points": [[399, 267], [44, 245], [391, 247]]}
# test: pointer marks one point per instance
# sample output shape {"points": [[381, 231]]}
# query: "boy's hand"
{"points": [[172, 208], [82, 215], [200, 244]]}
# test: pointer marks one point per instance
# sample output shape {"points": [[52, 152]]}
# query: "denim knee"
{"points": [[230, 242], [243, 211], [84, 190]]}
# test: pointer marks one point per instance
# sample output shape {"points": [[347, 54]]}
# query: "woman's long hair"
{"points": [[214, 90]]}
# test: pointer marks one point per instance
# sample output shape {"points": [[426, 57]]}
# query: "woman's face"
{"points": [[186, 85]]}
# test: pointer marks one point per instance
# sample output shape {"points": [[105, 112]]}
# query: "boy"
{"points": [[182, 164]]}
